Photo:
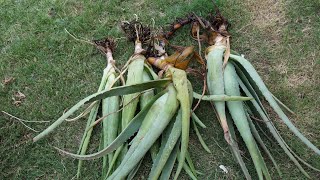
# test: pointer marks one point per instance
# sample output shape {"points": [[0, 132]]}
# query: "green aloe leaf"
{"points": [[180, 82], [168, 167], [239, 117], [134, 171], [170, 138], [235, 148], [268, 96], [133, 126], [204, 145], [190, 163], [152, 127], [215, 81], [121, 90], [261, 143], [187, 168], [197, 120], [220, 98], [282, 105], [257, 109]]}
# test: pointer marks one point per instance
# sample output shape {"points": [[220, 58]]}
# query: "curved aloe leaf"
{"points": [[235, 148], [180, 83], [261, 143], [133, 126], [144, 99], [238, 115], [268, 96], [216, 83], [190, 163], [171, 137], [256, 108], [204, 145], [187, 168], [92, 117], [134, 171], [197, 120], [122, 90], [153, 125], [167, 169], [282, 104]]}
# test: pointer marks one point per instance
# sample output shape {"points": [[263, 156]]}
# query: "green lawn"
{"points": [[53, 71]]}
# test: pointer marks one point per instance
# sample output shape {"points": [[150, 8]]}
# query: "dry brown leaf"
{"points": [[20, 95], [8, 80], [18, 98]]}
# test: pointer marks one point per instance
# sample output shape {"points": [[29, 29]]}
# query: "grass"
{"points": [[54, 71]]}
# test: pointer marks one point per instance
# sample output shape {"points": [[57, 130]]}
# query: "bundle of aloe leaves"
{"points": [[147, 105]]}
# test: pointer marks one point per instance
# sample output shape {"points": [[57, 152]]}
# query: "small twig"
{"points": [[22, 121], [137, 33], [153, 23], [120, 75], [199, 43], [84, 113], [12, 116], [203, 92], [81, 40], [136, 16]]}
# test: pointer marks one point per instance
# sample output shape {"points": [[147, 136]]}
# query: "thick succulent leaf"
{"points": [[134, 171], [168, 167], [282, 105], [261, 143], [235, 148], [268, 96], [152, 127], [239, 117], [171, 136], [219, 98], [92, 117], [197, 120], [133, 127], [204, 145], [257, 109], [187, 168], [190, 163], [216, 82], [180, 82], [134, 76], [117, 91], [110, 124]]}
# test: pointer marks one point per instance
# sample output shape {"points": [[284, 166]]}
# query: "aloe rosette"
{"points": [[233, 75]]}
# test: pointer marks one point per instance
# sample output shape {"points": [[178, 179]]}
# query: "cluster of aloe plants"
{"points": [[144, 111]]}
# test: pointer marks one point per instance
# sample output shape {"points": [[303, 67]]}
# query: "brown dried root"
{"points": [[135, 31], [180, 22]]}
